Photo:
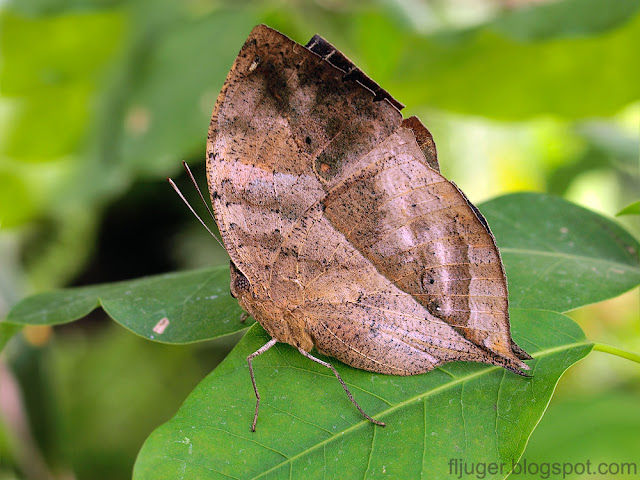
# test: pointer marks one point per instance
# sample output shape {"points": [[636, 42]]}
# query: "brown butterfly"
{"points": [[342, 233]]}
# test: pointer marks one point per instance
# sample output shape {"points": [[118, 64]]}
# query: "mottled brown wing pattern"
{"points": [[419, 232], [275, 132], [332, 208], [357, 315]]}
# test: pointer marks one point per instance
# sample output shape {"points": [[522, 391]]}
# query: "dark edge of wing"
{"points": [[517, 350], [331, 54]]}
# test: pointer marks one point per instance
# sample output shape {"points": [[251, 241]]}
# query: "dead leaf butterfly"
{"points": [[342, 233]]}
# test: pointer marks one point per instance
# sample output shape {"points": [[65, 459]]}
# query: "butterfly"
{"points": [[342, 233]]}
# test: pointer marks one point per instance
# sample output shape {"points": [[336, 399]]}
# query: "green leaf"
{"points": [[563, 435], [631, 209], [308, 429], [485, 72], [196, 304], [568, 18], [559, 256]]}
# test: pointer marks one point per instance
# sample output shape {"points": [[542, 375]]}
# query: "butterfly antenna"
{"points": [[195, 184], [193, 180]]}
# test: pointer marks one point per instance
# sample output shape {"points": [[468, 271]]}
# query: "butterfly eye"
{"points": [[242, 284]]}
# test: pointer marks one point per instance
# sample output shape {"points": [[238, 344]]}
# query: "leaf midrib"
{"points": [[416, 398], [105, 292]]}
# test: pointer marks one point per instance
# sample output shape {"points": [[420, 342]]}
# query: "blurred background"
{"points": [[100, 100]]}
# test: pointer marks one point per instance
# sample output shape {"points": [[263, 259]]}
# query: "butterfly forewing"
{"points": [[275, 131]]}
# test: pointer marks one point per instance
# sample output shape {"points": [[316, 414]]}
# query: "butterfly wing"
{"points": [[357, 315], [421, 233], [394, 272], [285, 119]]}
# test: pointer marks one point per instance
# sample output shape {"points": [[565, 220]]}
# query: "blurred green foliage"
{"points": [[101, 99]]}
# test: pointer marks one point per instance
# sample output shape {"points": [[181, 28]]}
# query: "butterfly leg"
{"points": [[260, 351], [344, 385]]}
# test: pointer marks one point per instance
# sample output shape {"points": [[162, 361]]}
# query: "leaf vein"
{"points": [[423, 396]]}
